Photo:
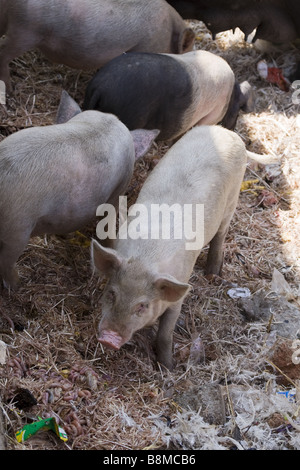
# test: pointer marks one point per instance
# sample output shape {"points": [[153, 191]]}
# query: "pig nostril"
{"points": [[108, 344], [111, 339]]}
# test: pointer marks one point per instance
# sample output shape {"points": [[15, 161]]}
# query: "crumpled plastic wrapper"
{"points": [[273, 75]]}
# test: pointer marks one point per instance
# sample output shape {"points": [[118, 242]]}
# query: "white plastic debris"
{"points": [[238, 292], [279, 284], [273, 171], [262, 68]]}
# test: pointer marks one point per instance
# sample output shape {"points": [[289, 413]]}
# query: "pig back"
{"points": [[206, 166], [168, 92], [87, 34], [60, 174]]}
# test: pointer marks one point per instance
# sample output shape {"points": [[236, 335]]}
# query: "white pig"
{"points": [[147, 277], [86, 34], [53, 178]]}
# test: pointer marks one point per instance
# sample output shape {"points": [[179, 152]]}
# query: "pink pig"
{"points": [[85, 34]]}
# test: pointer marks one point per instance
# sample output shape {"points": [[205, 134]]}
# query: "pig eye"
{"points": [[141, 308]]}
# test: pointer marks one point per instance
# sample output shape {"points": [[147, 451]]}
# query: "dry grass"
{"points": [[222, 397]]}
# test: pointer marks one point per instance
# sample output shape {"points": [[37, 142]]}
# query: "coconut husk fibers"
{"points": [[225, 390]]}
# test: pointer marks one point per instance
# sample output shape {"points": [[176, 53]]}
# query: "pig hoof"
{"points": [[213, 278], [166, 367], [111, 339], [12, 283]]}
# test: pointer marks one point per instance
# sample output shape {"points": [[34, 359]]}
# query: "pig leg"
{"points": [[4, 69], [215, 254], [7, 269], [164, 338], [114, 201], [9, 255], [9, 49]]}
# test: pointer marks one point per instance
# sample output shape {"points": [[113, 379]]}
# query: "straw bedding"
{"points": [[233, 355]]}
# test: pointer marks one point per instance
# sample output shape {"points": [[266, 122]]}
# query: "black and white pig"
{"points": [[53, 178], [85, 34], [170, 92]]}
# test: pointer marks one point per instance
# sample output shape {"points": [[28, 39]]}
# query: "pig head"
{"points": [[277, 21], [135, 296], [53, 178], [86, 34]]}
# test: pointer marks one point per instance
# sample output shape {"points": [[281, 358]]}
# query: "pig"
{"points": [[276, 21], [87, 34], [170, 92], [147, 277], [53, 178]]}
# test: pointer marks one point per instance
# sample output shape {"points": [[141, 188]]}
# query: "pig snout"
{"points": [[111, 339]]}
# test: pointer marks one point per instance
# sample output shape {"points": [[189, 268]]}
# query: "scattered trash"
{"points": [[272, 75], [290, 394], [47, 424], [273, 171], [238, 292], [275, 311]]}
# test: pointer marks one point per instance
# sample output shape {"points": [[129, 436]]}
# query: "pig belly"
{"points": [[61, 225], [68, 212], [86, 59]]}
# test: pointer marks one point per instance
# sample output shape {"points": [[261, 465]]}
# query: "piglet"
{"points": [[53, 178], [169, 92], [147, 272]]}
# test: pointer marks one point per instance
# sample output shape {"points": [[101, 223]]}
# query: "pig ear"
{"points": [[105, 260], [68, 108], [143, 140], [186, 41], [170, 289]]}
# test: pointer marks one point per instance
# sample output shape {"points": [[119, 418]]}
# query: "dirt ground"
{"points": [[237, 378]]}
